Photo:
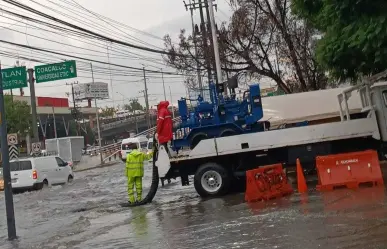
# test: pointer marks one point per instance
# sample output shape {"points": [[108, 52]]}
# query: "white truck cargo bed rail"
{"points": [[364, 127]]}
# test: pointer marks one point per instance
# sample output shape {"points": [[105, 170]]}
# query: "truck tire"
{"points": [[227, 132], [196, 139], [211, 179]]}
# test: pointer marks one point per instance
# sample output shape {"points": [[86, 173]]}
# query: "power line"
{"points": [[104, 20], [81, 58], [26, 7], [114, 21], [94, 43], [87, 23]]}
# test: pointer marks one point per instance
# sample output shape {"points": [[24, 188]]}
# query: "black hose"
{"points": [[155, 181]]}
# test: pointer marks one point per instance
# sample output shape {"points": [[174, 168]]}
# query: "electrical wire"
{"points": [[81, 58], [149, 59], [97, 16], [89, 32]]}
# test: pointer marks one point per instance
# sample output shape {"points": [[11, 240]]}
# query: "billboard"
{"points": [[97, 90]]}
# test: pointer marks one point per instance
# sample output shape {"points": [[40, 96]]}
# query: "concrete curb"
{"points": [[98, 166]]}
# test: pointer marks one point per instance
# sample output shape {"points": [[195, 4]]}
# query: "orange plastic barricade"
{"points": [[266, 183], [348, 170]]}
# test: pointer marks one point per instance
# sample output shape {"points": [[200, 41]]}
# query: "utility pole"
{"points": [[31, 81], [173, 108], [55, 131], [9, 209], [97, 117], [73, 93], [162, 76], [209, 27], [195, 45], [199, 5], [75, 110], [215, 43], [146, 100]]}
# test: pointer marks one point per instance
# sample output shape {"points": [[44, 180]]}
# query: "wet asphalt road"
{"points": [[86, 214]]}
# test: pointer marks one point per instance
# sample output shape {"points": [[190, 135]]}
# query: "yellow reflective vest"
{"points": [[135, 163]]}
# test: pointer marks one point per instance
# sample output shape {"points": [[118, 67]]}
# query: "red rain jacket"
{"points": [[164, 123]]}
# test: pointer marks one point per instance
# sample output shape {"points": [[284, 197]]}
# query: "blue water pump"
{"points": [[219, 117]]}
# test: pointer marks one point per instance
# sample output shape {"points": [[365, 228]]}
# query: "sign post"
{"points": [[15, 77], [12, 146], [9, 209], [57, 71]]}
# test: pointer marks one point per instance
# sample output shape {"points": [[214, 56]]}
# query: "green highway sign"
{"points": [[15, 77], [57, 71]]}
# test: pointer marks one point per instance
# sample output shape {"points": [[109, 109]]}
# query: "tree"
{"points": [[18, 116], [133, 105], [355, 35], [108, 111], [73, 131], [262, 39]]}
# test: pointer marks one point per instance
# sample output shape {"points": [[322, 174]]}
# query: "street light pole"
{"points": [[162, 76], [9, 209], [97, 116], [173, 108], [134, 111]]}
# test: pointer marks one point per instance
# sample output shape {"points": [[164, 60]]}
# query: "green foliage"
{"points": [[18, 116], [355, 34], [108, 112], [134, 105], [73, 128], [89, 137]]}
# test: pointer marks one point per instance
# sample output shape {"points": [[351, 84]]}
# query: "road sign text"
{"points": [[57, 71], [15, 77]]}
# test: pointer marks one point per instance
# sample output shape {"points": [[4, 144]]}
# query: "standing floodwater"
{"points": [[86, 214]]}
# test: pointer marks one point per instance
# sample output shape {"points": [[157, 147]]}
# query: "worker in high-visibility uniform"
{"points": [[135, 172]]}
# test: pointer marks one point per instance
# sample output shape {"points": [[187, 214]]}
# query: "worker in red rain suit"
{"points": [[164, 124], [164, 132]]}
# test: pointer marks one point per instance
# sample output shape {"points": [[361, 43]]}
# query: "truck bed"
{"points": [[364, 127], [306, 106]]}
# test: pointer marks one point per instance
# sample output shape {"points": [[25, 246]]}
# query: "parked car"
{"points": [[35, 173]]}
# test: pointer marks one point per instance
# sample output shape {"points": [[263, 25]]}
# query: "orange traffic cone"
{"points": [[301, 182]]}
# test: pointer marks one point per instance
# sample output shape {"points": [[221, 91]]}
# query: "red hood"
{"points": [[162, 104]]}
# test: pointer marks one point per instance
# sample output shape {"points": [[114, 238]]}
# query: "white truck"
{"points": [[359, 122]]}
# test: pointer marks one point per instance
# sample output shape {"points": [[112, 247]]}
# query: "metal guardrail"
{"points": [[113, 125], [152, 130], [117, 146]]}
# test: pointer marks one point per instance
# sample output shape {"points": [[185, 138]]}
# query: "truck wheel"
{"points": [[196, 139], [227, 132], [211, 179]]}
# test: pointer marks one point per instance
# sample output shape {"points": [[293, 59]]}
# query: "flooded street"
{"points": [[86, 214]]}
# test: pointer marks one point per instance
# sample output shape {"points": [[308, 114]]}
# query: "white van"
{"points": [[35, 172], [133, 143], [123, 114]]}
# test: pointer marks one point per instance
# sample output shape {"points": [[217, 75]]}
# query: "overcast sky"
{"points": [[155, 17]]}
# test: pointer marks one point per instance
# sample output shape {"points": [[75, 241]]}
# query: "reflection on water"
{"points": [[139, 222], [86, 215]]}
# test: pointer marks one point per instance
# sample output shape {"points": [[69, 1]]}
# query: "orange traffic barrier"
{"points": [[301, 182], [348, 170], [266, 183]]}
